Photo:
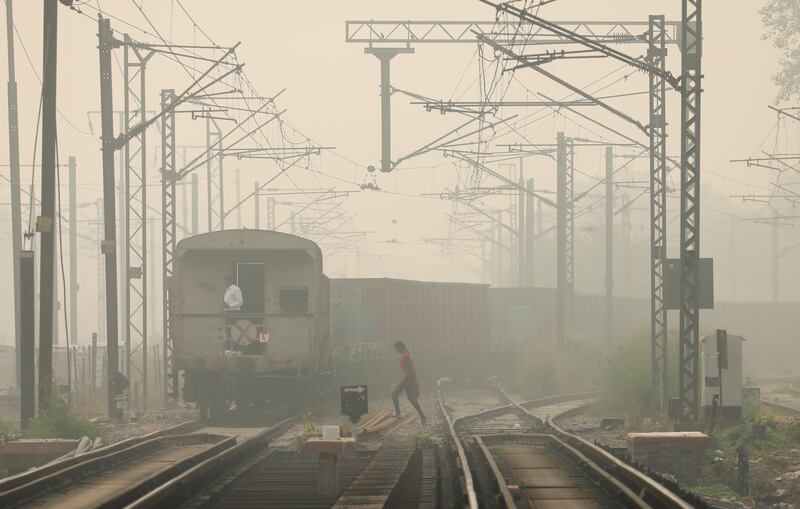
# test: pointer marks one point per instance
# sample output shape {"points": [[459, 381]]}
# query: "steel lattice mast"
{"points": [[657, 129], [168, 235], [135, 157], [689, 353]]}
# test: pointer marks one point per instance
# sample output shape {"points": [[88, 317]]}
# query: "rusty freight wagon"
{"points": [[445, 325]]}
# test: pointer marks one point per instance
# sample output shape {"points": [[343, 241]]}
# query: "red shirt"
{"points": [[407, 365]]}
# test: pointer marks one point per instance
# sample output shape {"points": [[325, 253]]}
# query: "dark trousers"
{"points": [[398, 389]]}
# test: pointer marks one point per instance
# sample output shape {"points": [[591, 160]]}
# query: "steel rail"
{"points": [[55, 466], [595, 470], [650, 490], [194, 480], [648, 487], [65, 478], [502, 486], [466, 473]]}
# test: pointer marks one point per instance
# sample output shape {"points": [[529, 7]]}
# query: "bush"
{"points": [[57, 421], [6, 432], [625, 379], [546, 369]]}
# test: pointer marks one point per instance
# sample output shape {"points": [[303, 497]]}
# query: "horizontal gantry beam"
{"points": [[406, 33]]}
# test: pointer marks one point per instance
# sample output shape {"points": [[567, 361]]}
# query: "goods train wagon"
{"points": [[276, 345], [445, 325]]}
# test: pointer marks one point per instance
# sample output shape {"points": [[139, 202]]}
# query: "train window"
{"points": [[294, 300]]}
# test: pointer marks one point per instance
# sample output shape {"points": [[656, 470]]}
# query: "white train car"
{"points": [[277, 345]]}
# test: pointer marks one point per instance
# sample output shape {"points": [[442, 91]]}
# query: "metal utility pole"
{"points": [[257, 200], [493, 254], [168, 235], [151, 281], [561, 235], [657, 130], [73, 252], [56, 295], [214, 186], [27, 352], [775, 257], [609, 258], [499, 233], [691, 90], [626, 242], [45, 223], [108, 247], [385, 55], [194, 204], [733, 258], [530, 234], [564, 234], [184, 203], [101, 278], [16, 207], [521, 230], [238, 199], [270, 213], [136, 246]]}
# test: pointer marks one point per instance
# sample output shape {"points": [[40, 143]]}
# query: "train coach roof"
{"points": [[247, 239]]}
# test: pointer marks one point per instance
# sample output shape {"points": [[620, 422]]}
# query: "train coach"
{"points": [[276, 346]]}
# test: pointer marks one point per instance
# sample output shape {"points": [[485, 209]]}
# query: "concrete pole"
{"points": [[221, 159], [122, 245], [626, 242], [733, 258], [46, 225], [27, 381], [34, 212], [484, 265], [209, 176], [238, 199], [195, 211], [561, 237], [73, 252], [257, 201], [16, 202], [109, 246], [530, 238], [495, 278], [184, 203], [56, 276], [501, 276], [151, 274], [101, 281], [521, 230], [775, 257], [609, 244], [270, 213]]}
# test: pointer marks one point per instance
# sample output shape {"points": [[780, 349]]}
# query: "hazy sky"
{"points": [[332, 97]]}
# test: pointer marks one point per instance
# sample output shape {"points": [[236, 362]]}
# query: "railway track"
{"points": [[200, 465], [138, 472], [54, 467], [545, 466]]}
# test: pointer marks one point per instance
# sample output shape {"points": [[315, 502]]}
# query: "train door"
{"points": [[250, 279]]}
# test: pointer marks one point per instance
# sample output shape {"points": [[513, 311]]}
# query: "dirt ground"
{"points": [[149, 422]]}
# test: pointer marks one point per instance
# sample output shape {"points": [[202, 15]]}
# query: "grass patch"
{"points": [[309, 428], [6, 432], [428, 442], [57, 421], [762, 433], [716, 491]]}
